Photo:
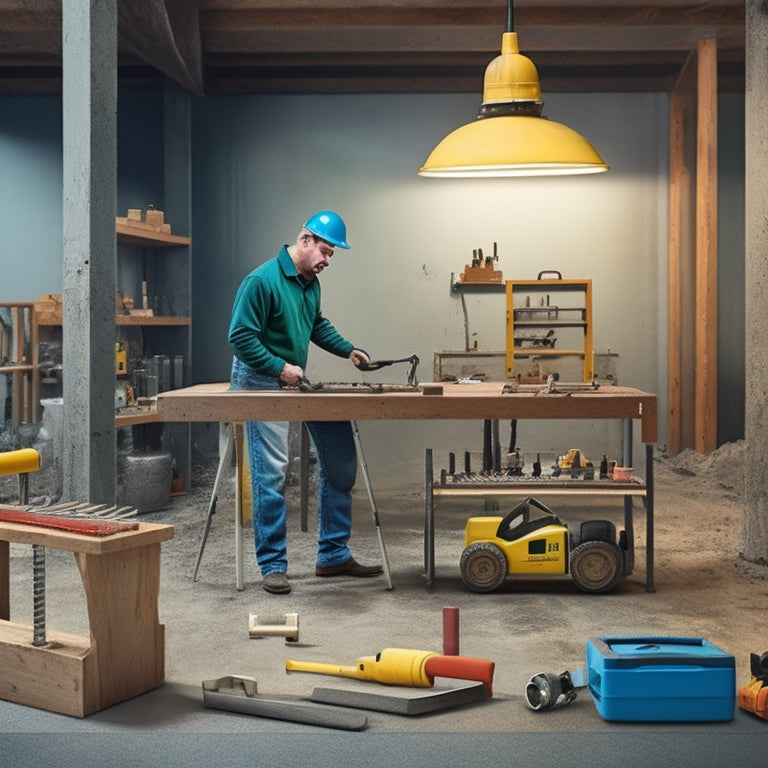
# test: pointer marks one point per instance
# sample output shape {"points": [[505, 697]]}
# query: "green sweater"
{"points": [[276, 314]]}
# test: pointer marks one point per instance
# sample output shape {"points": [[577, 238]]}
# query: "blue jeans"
{"points": [[268, 460]]}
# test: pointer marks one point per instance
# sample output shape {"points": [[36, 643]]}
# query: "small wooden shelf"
{"points": [[17, 368], [151, 320], [574, 314], [148, 237], [129, 417]]}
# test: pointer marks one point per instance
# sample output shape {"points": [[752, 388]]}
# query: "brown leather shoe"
{"points": [[276, 583], [350, 568]]}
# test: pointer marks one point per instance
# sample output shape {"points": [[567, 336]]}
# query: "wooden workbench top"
{"points": [[146, 533], [216, 402]]}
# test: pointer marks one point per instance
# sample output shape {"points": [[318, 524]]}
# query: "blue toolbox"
{"points": [[655, 679]]}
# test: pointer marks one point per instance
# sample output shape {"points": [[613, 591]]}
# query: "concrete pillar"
{"points": [[755, 539], [89, 100]]}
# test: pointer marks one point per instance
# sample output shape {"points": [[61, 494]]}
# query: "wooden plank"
{"points": [[56, 677], [681, 270], [147, 533], [121, 589], [151, 320], [706, 249], [134, 235]]}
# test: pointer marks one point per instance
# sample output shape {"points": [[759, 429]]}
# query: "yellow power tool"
{"points": [[402, 666]]}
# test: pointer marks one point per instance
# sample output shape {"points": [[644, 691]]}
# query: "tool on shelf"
{"points": [[482, 269]]}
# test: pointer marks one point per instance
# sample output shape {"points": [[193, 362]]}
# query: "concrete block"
{"points": [[144, 480]]}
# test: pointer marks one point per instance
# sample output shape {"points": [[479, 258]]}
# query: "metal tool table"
{"points": [[545, 486]]}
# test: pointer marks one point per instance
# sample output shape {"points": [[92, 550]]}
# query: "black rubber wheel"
{"points": [[597, 529], [483, 566], [597, 566]]}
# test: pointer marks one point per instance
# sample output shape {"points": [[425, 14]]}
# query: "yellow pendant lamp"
{"points": [[510, 137]]}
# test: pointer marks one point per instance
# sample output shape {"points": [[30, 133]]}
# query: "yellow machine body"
{"points": [[543, 551]]}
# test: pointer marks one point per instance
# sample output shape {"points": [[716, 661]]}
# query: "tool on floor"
{"points": [[417, 702], [547, 691], [753, 696], [402, 666], [450, 630], [369, 488], [412, 702], [243, 698], [274, 626]]}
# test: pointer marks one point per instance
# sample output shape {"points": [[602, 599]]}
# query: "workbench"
{"points": [[124, 654], [216, 402]]}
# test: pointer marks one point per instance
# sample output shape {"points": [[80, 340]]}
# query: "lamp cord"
{"points": [[510, 16]]}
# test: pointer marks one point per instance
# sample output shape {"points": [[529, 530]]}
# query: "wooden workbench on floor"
{"points": [[487, 400], [124, 654]]}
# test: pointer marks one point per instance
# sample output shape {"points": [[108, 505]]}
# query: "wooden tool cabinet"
{"points": [[549, 305]]}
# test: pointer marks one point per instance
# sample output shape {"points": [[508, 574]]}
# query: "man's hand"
{"points": [[359, 355], [291, 375]]}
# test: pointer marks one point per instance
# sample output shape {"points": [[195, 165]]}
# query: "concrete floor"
{"points": [[703, 590]]}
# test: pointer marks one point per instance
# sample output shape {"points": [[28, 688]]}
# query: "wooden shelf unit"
{"points": [[163, 261], [47, 312], [134, 235], [539, 314], [19, 350]]}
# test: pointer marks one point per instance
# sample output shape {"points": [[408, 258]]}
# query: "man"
{"points": [[275, 316]]}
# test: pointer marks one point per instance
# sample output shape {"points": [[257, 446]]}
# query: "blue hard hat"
{"points": [[329, 226]]}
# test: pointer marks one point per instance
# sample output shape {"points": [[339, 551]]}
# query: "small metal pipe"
{"points": [[38, 595]]}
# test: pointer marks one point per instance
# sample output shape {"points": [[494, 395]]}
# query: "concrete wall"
{"points": [[269, 162], [263, 164]]}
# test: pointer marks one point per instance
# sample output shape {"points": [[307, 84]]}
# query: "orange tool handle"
{"points": [[463, 668]]}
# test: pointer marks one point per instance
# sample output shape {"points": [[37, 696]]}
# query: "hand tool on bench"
{"points": [[292, 709], [375, 365]]}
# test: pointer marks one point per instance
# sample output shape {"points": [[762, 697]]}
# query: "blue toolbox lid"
{"points": [[631, 651]]}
